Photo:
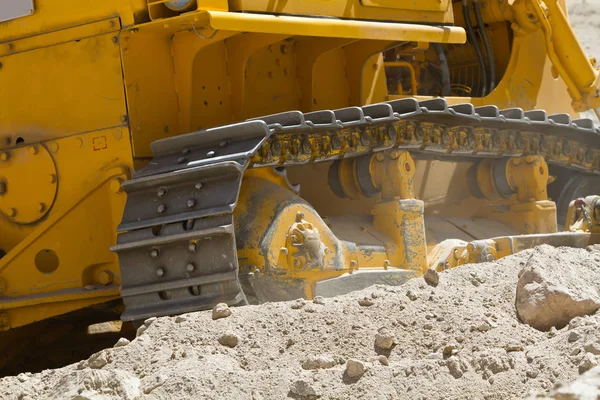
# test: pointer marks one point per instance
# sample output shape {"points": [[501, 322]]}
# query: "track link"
{"points": [[176, 241]]}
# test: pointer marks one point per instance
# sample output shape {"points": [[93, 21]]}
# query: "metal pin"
{"points": [[160, 271]]}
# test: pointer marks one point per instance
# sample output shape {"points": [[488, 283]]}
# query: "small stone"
{"points": [[553, 332], [355, 368], [22, 377], [303, 389], [435, 356], [97, 361], [309, 309], [150, 321], [513, 347], [140, 330], [575, 351], [588, 362], [290, 342], [454, 367], [122, 342], [411, 295], [384, 360], [432, 277], [484, 327], [298, 304], [319, 300], [322, 361], [229, 339], [574, 336], [531, 373], [179, 319], [385, 339], [449, 350], [221, 310], [428, 327], [593, 348], [366, 302]]}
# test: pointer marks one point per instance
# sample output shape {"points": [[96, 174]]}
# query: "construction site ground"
{"points": [[464, 337]]}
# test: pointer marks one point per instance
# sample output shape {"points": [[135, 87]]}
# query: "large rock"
{"points": [[551, 293], [586, 387]]}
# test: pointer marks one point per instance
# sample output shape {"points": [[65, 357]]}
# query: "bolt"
{"points": [[210, 154], [353, 264], [489, 257], [115, 185], [160, 272], [161, 208], [471, 247], [299, 216], [105, 277], [124, 118], [293, 239], [456, 254], [386, 264], [12, 212], [41, 207], [181, 160], [2, 188], [4, 321], [223, 143], [395, 154], [154, 253], [33, 150], [284, 250], [161, 192], [52, 178], [114, 39], [380, 157], [4, 156], [190, 267], [3, 286], [198, 186], [192, 247], [191, 203], [186, 151]]}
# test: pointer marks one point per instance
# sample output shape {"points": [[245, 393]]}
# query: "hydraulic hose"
{"points": [[486, 43], [446, 88], [475, 42]]}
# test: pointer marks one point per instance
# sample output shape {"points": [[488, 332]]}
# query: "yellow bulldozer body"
{"points": [[87, 87]]}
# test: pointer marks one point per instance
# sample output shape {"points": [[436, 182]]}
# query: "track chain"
{"points": [[176, 242]]}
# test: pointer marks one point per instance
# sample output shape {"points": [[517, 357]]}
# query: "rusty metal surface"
{"points": [[200, 174]]}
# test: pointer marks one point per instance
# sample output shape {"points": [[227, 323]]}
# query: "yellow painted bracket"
{"points": [[320, 27]]}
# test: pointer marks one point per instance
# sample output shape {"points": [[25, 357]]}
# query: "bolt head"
{"points": [[12, 212], [105, 277], [4, 156], [161, 192], [191, 203], [380, 157], [353, 263], [160, 272], [198, 186], [192, 247], [161, 208], [123, 118], [210, 154], [115, 185], [186, 151], [41, 207], [154, 253], [52, 178], [395, 154], [33, 150], [190, 267]]}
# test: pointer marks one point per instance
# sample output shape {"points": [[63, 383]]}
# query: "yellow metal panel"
{"points": [[403, 10], [50, 15], [61, 90], [351, 29]]}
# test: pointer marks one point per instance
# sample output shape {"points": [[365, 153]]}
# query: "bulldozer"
{"points": [[159, 157]]}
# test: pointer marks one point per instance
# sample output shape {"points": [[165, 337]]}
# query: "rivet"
{"points": [[198, 185], [190, 267], [12, 212], [191, 203], [380, 157], [161, 208], [52, 178], [33, 150], [161, 192], [192, 247], [160, 272], [181, 160], [210, 154], [41, 207], [124, 118], [4, 156], [114, 39], [105, 277], [395, 154], [154, 253]]}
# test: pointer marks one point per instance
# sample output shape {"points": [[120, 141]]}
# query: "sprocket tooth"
{"points": [[560, 119], [463, 109], [487, 111], [513, 113], [537, 116], [405, 107]]}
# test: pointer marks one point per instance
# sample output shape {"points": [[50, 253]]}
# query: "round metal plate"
{"points": [[28, 183]]}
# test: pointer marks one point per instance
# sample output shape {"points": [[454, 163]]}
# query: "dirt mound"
{"points": [[460, 339]]}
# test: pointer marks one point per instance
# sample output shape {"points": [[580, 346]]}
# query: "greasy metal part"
{"points": [[214, 161]]}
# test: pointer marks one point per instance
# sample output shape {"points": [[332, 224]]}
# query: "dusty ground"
{"points": [[461, 339]]}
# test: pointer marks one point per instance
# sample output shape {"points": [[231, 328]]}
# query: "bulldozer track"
{"points": [[176, 242]]}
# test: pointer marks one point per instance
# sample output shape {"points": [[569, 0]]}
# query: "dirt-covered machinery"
{"points": [[162, 156]]}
